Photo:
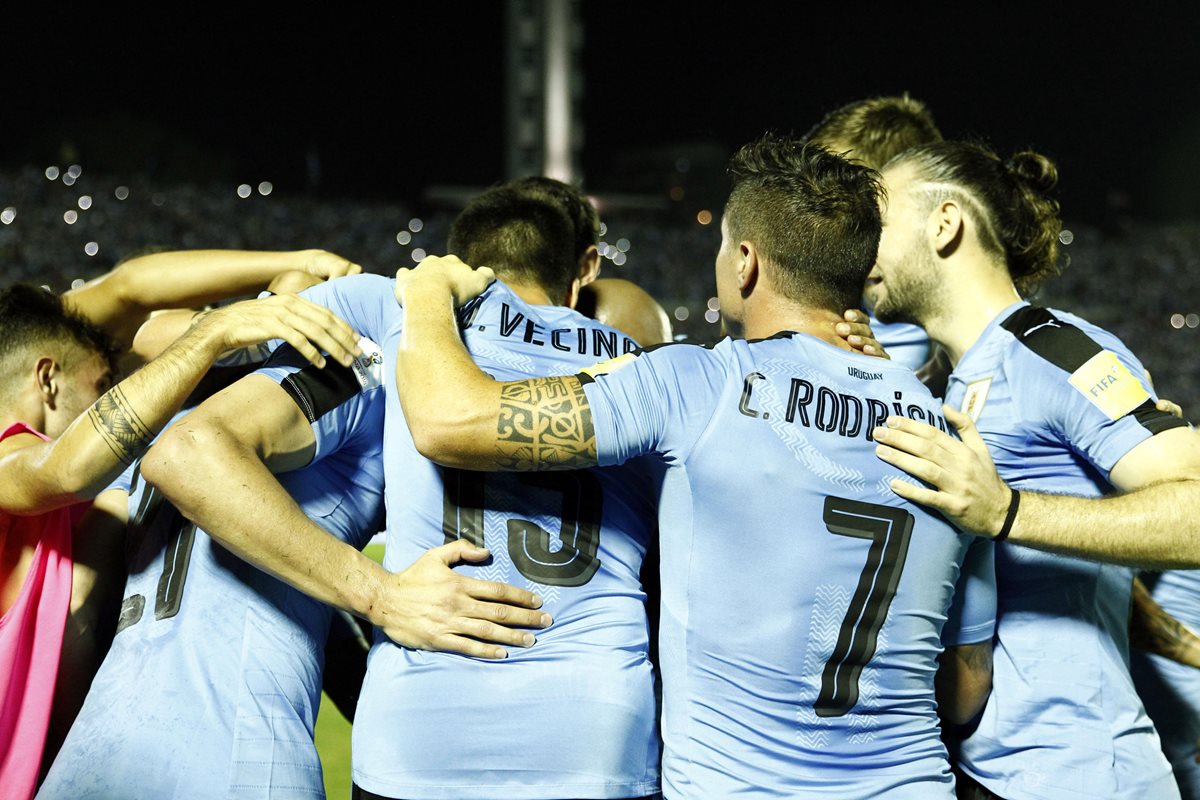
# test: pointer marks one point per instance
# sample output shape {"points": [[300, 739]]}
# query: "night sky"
{"points": [[381, 104]]}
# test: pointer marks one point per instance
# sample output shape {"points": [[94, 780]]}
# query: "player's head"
{"points": [[585, 221], [808, 218], [629, 308], [876, 130], [958, 198], [53, 363], [526, 240]]}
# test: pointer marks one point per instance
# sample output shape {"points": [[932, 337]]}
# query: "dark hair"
{"points": [[1019, 219], [877, 129], [520, 237], [813, 215], [585, 220], [31, 316]]}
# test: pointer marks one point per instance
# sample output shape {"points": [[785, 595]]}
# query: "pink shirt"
{"points": [[31, 637]]}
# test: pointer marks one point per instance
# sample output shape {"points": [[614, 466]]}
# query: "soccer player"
{"points": [[57, 453], [1066, 415], [213, 682], [428, 724], [873, 132], [804, 606]]}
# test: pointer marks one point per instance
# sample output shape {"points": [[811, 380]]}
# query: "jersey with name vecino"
{"points": [[804, 603], [579, 703], [1059, 402], [213, 682]]}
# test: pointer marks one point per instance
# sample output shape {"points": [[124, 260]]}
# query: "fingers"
{"points": [[451, 643], [458, 550], [914, 465], [966, 430], [306, 326], [1169, 407]]}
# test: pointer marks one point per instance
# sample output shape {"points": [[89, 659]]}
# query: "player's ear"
{"points": [[747, 268], [45, 375], [945, 227], [589, 265]]}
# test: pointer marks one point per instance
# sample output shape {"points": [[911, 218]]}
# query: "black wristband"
{"points": [[1010, 517]]}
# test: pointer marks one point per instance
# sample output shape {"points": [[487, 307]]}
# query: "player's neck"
{"points": [[971, 305], [767, 319], [531, 293]]}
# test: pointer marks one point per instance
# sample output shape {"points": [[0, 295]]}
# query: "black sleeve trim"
{"points": [[319, 391], [1058, 342], [1155, 421], [1069, 348]]}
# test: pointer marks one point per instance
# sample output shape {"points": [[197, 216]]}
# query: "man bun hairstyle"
{"points": [[1018, 220], [812, 215]]}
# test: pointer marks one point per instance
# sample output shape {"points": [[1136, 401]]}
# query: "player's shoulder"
{"points": [[1058, 338]]}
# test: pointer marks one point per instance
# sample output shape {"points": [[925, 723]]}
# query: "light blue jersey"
{"points": [[1170, 690], [575, 715], [213, 681], [1059, 402], [907, 344], [804, 603]]}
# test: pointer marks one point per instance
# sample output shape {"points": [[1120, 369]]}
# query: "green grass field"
{"points": [[333, 733]]}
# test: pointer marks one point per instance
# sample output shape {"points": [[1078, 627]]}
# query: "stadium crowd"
{"points": [[775, 565]]}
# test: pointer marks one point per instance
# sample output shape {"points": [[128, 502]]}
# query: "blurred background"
{"points": [[364, 131]]}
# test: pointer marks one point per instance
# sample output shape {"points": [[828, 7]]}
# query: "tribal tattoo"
{"points": [[545, 423], [120, 426]]}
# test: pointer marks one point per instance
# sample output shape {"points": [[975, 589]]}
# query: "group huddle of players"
{"points": [[857, 589]]}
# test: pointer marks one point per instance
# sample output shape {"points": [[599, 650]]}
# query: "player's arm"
{"points": [[119, 300], [217, 464], [1149, 523], [164, 327], [37, 476], [1153, 630], [458, 415], [963, 682]]}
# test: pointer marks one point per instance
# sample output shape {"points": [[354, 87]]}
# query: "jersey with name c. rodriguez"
{"points": [[213, 682], [574, 715], [803, 602], [1059, 402]]}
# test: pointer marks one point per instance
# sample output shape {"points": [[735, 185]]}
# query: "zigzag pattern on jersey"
{"points": [[829, 607], [792, 435], [487, 351], [868, 694]]}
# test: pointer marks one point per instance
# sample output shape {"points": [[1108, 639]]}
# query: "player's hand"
{"points": [[966, 486], [325, 265], [1170, 407], [856, 330], [447, 272], [431, 607], [293, 281], [307, 327]]}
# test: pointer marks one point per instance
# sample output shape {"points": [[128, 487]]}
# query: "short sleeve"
{"points": [[972, 614], [1091, 390], [336, 400], [366, 302], [658, 400]]}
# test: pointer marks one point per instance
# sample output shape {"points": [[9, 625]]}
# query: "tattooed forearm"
{"points": [[120, 426], [545, 423], [1153, 630]]}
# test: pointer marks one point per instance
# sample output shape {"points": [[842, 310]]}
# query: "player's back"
{"points": [[213, 681], [803, 601], [574, 715]]}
